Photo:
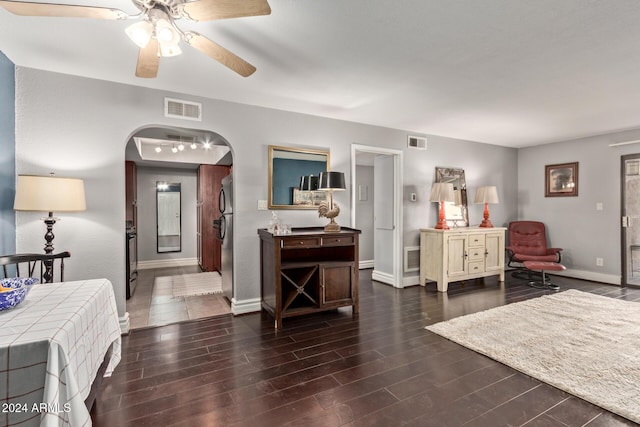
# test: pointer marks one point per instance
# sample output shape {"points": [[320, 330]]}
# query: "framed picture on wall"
{"points": [[308, 198], [561, 180]]}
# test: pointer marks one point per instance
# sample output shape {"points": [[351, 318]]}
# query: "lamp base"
{"points": [[332, 226], [486, 223], [442, 223]]}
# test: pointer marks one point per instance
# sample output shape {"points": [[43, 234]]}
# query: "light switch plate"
{"points": [[262, 205]]}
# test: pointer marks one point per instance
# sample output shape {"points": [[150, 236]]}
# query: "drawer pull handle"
{"points": [[301, 242]]}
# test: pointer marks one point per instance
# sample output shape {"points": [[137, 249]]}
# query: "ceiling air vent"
{"points": [[179, 109], [417, 142]]}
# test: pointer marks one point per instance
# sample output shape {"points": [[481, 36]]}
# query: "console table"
{"points": [[307, 271], [461, 253]]}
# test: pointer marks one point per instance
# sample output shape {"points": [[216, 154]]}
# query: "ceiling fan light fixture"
{"points": [[166, 34], [140, 33], [166, 50]]}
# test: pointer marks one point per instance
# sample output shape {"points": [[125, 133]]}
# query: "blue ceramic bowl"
{"points": [[20, 288]]}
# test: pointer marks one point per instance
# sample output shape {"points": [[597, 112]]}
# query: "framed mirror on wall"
{"points": [[168, 217], [293, 177], [456, 213]]}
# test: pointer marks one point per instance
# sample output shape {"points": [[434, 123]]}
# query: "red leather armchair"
{"points": [[528, 242]]}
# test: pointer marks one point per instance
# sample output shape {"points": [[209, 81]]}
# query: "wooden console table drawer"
{"points": [[308, 271], [337, 241], [301, 242]]}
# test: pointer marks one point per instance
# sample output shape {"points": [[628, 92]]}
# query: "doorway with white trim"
{"points": [[376, 208]]}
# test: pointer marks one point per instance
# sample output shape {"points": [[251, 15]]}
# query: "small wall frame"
{"points": [[561, 180]]}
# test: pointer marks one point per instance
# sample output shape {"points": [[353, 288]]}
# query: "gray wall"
{"points": [[147, 178], [573, 223], [79, 127], [7, 156], [483, 165]]}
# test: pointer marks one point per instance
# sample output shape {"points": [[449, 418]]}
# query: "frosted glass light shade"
{"points": [[169, 50], [140, 33], [49, 194], [166, 34]]}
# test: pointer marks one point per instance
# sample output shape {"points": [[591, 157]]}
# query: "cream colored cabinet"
{"points": [[461, 253]]}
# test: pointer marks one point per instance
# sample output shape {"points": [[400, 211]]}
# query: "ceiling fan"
{"points": [[156, 33]]}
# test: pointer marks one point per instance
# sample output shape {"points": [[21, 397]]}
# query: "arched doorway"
{"points": [[176, 272]]}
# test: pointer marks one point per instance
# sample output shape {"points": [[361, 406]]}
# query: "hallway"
{"points": [[153, 304]]}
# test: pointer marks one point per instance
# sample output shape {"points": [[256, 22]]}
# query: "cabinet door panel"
{"points": [[337, 284], [495, 252], [457, 256]]}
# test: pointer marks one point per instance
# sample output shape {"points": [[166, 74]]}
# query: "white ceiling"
{"points": [[506, 72]]}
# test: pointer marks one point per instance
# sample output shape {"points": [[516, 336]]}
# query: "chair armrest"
{"points": [[556, 252]]}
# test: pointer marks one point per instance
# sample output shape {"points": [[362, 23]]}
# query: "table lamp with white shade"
{"points": [[486, 194], [49, 194], [442, 192]]}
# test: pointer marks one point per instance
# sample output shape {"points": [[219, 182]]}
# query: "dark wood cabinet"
{"points": [[130, 180], [208, 244], [308, 270], [131, 223]]}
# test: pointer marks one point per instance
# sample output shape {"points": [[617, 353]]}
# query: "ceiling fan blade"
{"points": [[148, 61], [61, 10], [207, 10], [220, 54]]}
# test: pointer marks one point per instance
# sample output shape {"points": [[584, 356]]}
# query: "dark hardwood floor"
{"points": [[381, 368]]}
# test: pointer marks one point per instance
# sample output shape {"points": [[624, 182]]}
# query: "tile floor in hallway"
{"points": [[152, 304]]}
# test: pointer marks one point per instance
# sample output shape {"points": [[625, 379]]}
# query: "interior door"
{"points": [[383, 220], [630, 219]]}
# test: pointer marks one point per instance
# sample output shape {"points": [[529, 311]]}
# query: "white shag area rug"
{"points": [[185, 285], [585, 344]]}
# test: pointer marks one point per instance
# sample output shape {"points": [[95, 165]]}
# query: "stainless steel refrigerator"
{"points": [[225, 230]]}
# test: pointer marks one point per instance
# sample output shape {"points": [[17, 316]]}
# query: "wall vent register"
{"points": [[417, 142], [180, 109]]}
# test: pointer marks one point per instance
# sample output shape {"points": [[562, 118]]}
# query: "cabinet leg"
{"points": [[443, 286]]}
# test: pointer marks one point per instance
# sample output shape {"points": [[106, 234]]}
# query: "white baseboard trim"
{"points": [[380, 276], [611, 279], [164, 263], [410, 280], [245, 306], [125, 324], [366, 264]]}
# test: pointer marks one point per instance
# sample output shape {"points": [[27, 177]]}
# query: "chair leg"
{"points": [[544, 283]]}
